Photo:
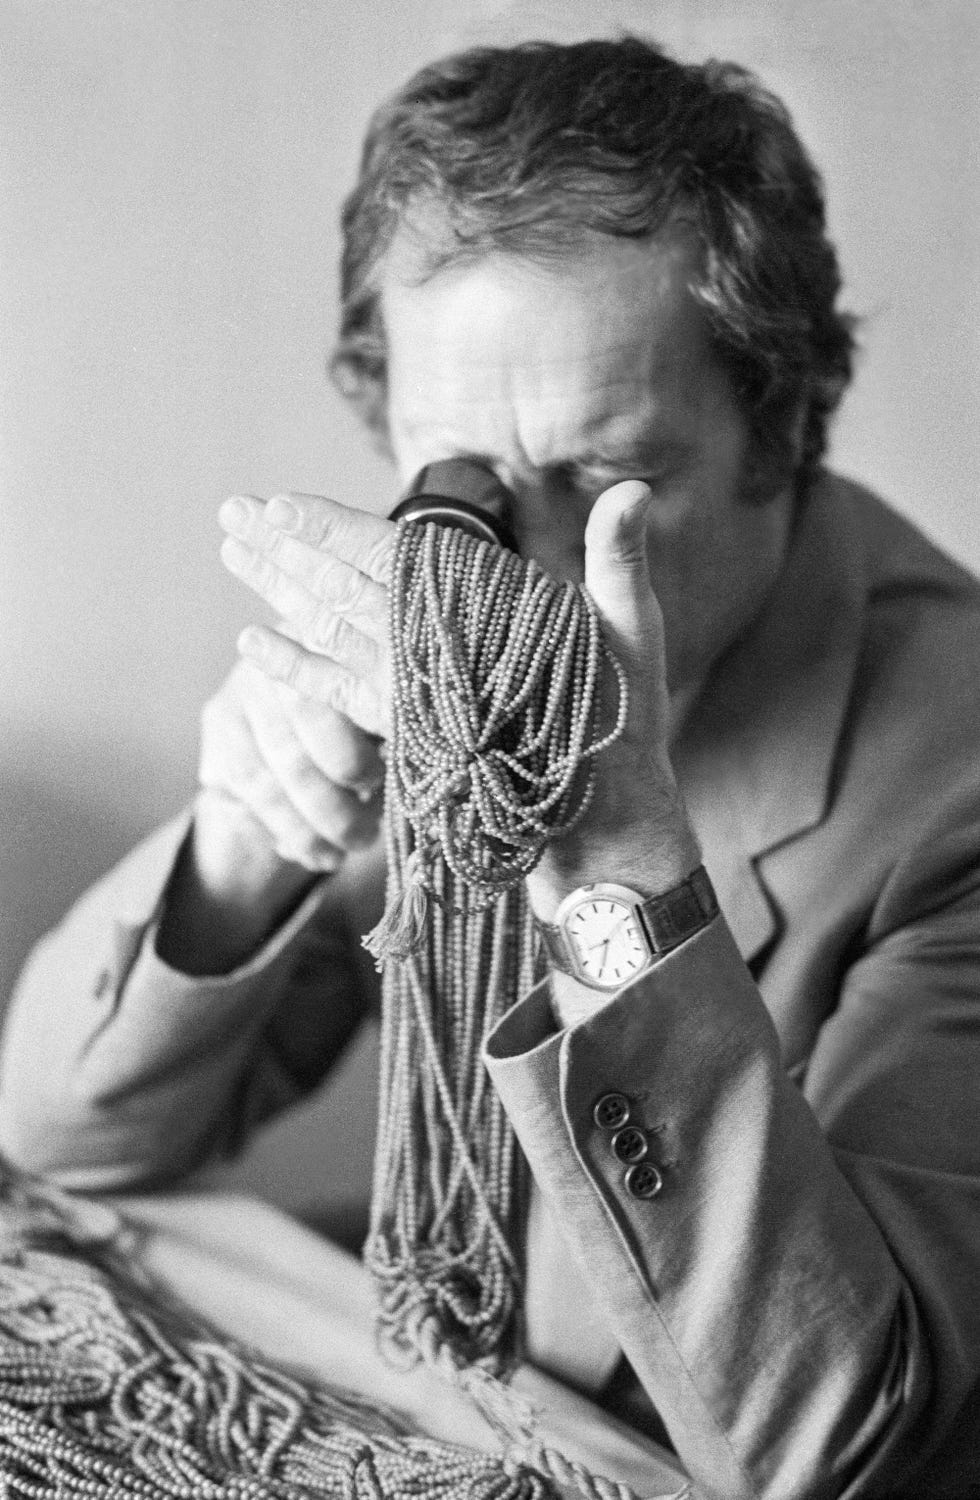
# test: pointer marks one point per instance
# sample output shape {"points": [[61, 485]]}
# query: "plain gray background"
{"points": [[172, 172]]}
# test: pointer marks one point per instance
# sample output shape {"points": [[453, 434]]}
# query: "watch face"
{"points": [[606, 941]]}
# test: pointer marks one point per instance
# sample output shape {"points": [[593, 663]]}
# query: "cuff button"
{"points": [[629, 1145], [611, 1111], [643, 1180]]}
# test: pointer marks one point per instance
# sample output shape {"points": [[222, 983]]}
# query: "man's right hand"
{"points": [[288, 786]]}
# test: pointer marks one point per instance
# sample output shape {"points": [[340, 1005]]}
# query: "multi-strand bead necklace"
{"points": [[496, 719]]}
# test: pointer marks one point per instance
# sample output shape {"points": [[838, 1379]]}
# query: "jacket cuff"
{"points": [[136, 889]]}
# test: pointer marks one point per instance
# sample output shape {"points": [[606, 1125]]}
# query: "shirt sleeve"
{"points": [[790, 1265], [117, 1071]]}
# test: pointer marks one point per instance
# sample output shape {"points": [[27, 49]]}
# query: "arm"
{"points": [[215, 975], [799, 1300]]}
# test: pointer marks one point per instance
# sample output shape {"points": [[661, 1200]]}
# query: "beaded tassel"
{"points": [[496, 721]]}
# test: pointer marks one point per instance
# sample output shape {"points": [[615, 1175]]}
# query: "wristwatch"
{"points": [[605, 935]]}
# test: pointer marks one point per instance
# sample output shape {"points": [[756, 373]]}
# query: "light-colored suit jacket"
{"points": [[801, 1301]]}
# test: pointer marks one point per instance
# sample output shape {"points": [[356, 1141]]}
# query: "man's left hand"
{"points": [[324, 568]]}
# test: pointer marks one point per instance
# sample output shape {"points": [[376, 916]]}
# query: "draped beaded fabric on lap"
{"points": [[496, 720]]}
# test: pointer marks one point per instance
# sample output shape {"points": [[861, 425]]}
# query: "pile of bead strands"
{"points": [[495, 723], [109, 1392]]}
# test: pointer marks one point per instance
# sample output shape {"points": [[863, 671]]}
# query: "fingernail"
{"points": [[282, 514], [234, 514]]}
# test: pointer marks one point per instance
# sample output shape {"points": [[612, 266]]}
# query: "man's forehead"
{"points": [[605, 353], [581, 334], [603, 296]]}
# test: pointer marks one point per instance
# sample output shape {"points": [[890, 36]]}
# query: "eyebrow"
{"points": [[631, 455]]}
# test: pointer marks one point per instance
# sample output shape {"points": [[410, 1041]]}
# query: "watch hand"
{"points": [[610, 934], [604, 944]]}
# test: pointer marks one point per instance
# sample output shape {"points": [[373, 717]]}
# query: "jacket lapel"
{"points": [[755, 756]]}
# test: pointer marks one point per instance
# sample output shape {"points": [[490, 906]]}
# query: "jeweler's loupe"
{"points": [[464, 493]]}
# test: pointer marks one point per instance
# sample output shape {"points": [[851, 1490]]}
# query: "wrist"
{"points": [[606, 934], [229, 890], [234, 859], [663, 860]]}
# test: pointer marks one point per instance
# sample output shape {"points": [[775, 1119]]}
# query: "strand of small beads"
{"points": [[496, 721], [110, 1391]]}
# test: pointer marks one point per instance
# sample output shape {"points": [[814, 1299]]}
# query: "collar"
{"points": [[754, 757]]}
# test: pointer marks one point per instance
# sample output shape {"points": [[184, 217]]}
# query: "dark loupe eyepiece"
{"points": [[460, 492]]}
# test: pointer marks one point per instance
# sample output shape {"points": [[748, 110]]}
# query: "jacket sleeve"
{"points": [[117, 1071], [798, 1297]]}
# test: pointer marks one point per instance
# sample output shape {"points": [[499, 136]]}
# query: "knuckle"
{"points": [[259, 572], [341, 696], [351, 765], [273, 545], [350, 824], [324, 577], [378, 559], [327, 632], [348, 595], [344, 820], [291, 670], [322, 525]]}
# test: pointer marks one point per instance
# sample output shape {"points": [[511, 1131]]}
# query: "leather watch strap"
{"points": [[677, 915], [668, 919]]}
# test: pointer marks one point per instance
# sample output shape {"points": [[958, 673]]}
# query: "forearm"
{"points": [[755, 1295], [118, 1070], [228, 893]]}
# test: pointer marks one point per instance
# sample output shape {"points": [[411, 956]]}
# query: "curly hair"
{"points": [[532, 149]]}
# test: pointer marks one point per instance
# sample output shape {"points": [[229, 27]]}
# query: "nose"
{"points": [[549, 522]]}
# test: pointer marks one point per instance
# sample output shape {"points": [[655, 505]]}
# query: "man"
{"points": [[606, 276]]}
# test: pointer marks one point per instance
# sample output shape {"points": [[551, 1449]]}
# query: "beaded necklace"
{"points": [[495, 725]]}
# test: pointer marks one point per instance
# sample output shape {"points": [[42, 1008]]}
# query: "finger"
{"points": [[338, 747], [617, 570], [346, 753], [336, 641], [318, 677], [290, 834], [237, 770], [328, 579], [335, 593], [358, 538], [334, 813]]}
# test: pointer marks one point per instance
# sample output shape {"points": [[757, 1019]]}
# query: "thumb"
{"points": [[617, 571]]}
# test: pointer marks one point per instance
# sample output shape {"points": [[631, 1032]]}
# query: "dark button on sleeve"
{"points": [[611, 1111], [629, 1145], [643, 1180]]}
